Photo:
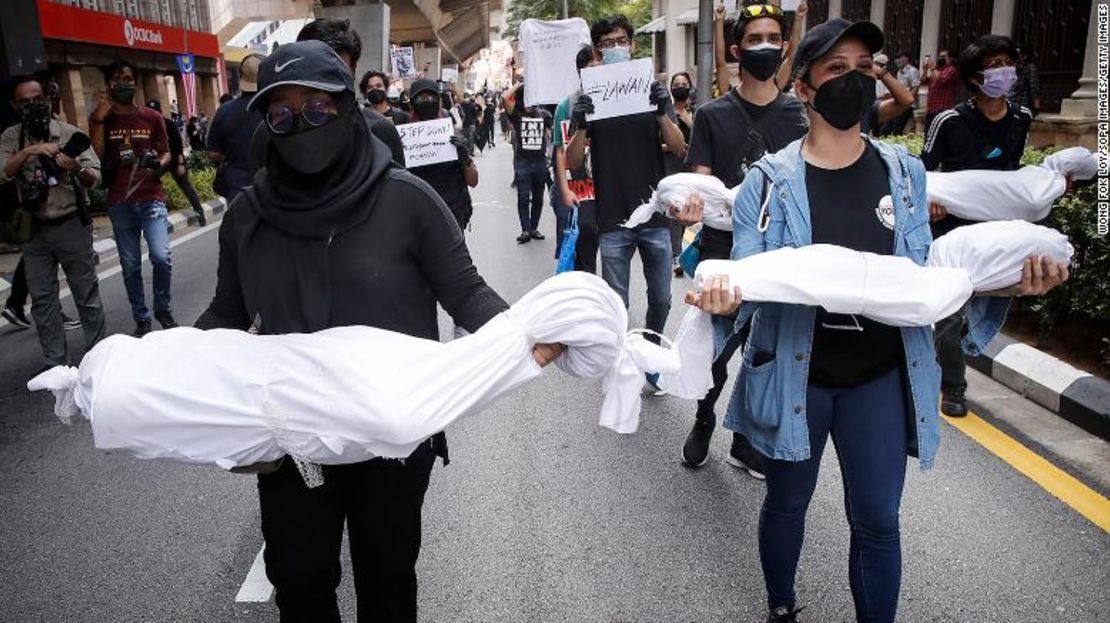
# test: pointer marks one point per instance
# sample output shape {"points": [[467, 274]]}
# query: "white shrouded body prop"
{"points": [[888, 289], [347, 394], [673, 190], [1026, 194]]}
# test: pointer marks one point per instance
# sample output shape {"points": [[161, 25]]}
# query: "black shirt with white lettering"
{"points": [[530, 137], [852, 207]]}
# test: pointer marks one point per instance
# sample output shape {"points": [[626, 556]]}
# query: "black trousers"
{"points": [[186, 186], [585, 252], [17, 296], [380, 501]]}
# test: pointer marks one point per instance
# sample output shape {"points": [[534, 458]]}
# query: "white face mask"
{"points": [[616, 54]]}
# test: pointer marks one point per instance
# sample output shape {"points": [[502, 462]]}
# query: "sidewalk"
{"points": [[104, 246]]}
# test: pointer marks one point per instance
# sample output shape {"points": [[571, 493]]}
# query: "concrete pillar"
{"points": [[1002, 19], [836, 8], [154, 86], [372, 23], [930, 29], [182, 98], [1082, 103], [209, 97], [878, 13], [73, 97]]}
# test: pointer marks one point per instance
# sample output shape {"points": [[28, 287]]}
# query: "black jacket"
{"points": [[386, 267]]}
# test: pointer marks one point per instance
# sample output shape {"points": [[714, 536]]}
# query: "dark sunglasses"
{"points": [[283, 119], [760, 10]]}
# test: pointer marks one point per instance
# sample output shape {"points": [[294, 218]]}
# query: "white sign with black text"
{"points": [[618, 89], [427, 142]]}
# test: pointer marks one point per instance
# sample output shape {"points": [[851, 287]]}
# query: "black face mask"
{"points": [[844, 100], [375, 96], [680, 94], [310, 150], [122, 92], [761, 64], [426, 110], [941, 62], [35, 118]]}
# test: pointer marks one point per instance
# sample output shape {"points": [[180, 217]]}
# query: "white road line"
{"points": [[115, 270], [256, 588]]}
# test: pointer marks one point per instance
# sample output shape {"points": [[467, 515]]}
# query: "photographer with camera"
{"points": [[132, 142], [51, 164]]}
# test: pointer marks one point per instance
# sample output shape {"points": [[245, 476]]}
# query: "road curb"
{"points": [[1077, 396], [104, 249]]}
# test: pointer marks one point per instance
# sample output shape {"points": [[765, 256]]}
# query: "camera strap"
{"points": [[131, 178]]}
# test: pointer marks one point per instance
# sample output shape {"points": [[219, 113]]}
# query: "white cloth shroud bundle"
{"points": [[346, 394], [888, 289], [717, 200], [1027, 193], [993, 253]]}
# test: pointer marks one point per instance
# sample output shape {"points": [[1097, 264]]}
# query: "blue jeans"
{"points": [[129, 222], [531, 177], [868, 427], [654, 245]]}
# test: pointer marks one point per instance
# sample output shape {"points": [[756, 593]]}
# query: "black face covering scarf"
{"points": [[35, 118], [307, 212], [844, 100]]}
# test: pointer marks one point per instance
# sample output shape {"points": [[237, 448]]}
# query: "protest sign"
{"points": [[549, 48], [449, 74], [790, 5], [404, 63], [427, 142], [618, 89]]}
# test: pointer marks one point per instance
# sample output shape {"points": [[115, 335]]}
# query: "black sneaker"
{"points": [[16, 316], [536, 235], [953, 403], [70, 324], [523, 237], [201, 219], [782, 614], [743, 456], [677, 268], [142, 327], [165, 318], [695, 452]]}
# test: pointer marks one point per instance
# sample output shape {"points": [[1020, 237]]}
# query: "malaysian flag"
{"points": [[187, 64]]}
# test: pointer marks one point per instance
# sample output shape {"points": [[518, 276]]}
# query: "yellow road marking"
{"points": [[1059, 483]]}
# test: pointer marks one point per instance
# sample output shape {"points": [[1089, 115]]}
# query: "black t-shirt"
{"points": [[397, 116], [530, 138], [449, 181], [627, 158], [963, 138], [720, 132], [852, 207], [672, 163]]}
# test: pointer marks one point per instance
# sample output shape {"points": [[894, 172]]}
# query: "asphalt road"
{"points": [[542, 515]]}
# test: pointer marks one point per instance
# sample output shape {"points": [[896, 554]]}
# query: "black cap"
{"points": [[823, 37], [311, 64], [423, 84]]}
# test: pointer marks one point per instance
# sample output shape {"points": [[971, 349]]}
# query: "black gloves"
{"points": [[660, 97], [582, 106], [462, 145]]}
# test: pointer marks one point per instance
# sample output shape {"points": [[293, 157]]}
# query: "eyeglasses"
{"points": [[760, 10], [283, 119], [609, 43]]}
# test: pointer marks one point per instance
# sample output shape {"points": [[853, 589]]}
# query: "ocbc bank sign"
{"points": [[134, 33]]}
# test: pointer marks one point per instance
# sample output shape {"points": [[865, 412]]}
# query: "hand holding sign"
{"points": [[618, 89], [427, 142]]}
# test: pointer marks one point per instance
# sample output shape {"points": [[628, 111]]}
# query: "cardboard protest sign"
{"points": [[427, 142], [549, 48], [531, 133], [403, 61], [790, 5], [449, 74], [618, 89]]}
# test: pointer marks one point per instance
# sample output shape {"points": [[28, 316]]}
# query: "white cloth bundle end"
{"points": [[62, 382], [693, 346], [1077, 162], [717, 200], [993, 253]]}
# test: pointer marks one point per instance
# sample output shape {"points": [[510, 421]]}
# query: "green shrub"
{"points": [[1085, 299], [202, 181]]}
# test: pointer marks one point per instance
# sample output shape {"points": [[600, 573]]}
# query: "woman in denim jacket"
{"points": [[806, 374]]}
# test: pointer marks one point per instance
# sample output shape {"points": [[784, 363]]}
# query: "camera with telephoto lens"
{"points": [[149, 160]]}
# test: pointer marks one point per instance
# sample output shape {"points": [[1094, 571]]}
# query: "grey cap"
{"points": [[311, 64]]}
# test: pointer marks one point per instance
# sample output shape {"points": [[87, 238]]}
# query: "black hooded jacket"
{"points": [[374, 246]]}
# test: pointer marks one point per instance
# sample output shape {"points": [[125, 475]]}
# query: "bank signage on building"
{"points": [[68, 23]]}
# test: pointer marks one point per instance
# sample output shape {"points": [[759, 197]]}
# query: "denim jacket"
{"points": [[768, 404]]}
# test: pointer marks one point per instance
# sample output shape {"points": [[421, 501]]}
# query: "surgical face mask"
{"points": [[616, 54], [375, 96], [762, 61], [680, 94], [844, 100], [35, 117], [122, 92], [997, 82], [310, 150]]}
